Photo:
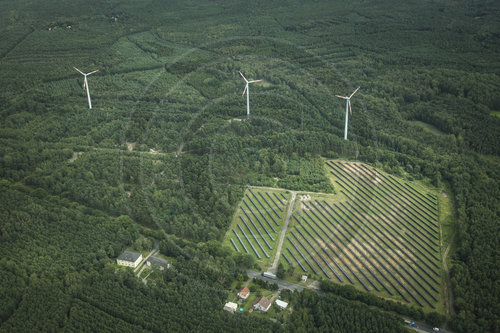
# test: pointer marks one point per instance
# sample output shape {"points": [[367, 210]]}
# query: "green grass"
{"points": [[426, 127], [495, 113], [447, 219]]}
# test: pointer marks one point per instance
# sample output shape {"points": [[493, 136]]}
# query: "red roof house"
{"points": [[244, 292]]}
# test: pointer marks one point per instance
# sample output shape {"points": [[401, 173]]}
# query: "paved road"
{"points": [[419, 326], [273, 268], [140, 272], [144, 280], [153, 251], [282, 283], [423, 327]]}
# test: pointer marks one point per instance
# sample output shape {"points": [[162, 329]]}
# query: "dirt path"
{"points": [[179, 150], [130, 147], [286, 190], [153, 252], [273, 268], [448, 294], [22, 39]]}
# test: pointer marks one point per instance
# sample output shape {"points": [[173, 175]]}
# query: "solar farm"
{"points": [[258, 222], [378, 233]]}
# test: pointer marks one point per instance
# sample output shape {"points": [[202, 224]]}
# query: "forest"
{"points": [[167, 151]]}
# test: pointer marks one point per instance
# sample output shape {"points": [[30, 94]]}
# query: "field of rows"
{"points": [[257, 223], [381, 235]]}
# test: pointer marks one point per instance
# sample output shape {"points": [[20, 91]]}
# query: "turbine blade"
{"points": [[254, 81], [244, 90], [341, 97], [354, 92], [243, 76], [350, 108], [79, 71], [93, 72]]}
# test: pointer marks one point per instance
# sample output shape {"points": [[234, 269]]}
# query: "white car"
{"points": [[435, 329]]}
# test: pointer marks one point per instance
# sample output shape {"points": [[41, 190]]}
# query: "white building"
{"points": [[304, 278], [130, 259], [230, 307], [281, 304]]}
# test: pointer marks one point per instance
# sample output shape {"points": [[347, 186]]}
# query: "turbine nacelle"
{"points": [[348, 108], [85, 74], [85, 83], [247, 90], [348, 98]]}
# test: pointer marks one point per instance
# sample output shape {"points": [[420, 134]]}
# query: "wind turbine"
{"points": [[85, 83], [347, 107], [247, 91]]}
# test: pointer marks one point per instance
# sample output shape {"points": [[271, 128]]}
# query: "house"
{"points": [[304, 278], [244, 292], [230, 307], [130, 259], [262, 304], [281, 304], [157, 262]]}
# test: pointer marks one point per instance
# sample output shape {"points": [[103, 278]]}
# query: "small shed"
{"points": [[281, 304], [304, 278], [230, 307]]}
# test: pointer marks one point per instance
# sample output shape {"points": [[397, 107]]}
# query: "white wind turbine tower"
{"points": [[85, 83], [347, 107], [248, 91]]}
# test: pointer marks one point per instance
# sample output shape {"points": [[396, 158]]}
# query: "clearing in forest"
{"points": [[378, 233], [258, 222]]}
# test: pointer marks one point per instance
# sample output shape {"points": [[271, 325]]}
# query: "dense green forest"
{"points": [[167, 150]]}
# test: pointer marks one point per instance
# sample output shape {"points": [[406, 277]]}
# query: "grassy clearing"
{"points": [[447, 220], [495, 113], [426, 127]]}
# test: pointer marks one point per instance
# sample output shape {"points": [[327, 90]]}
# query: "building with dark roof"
{"points": [[158, 262], [130, 259]]}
